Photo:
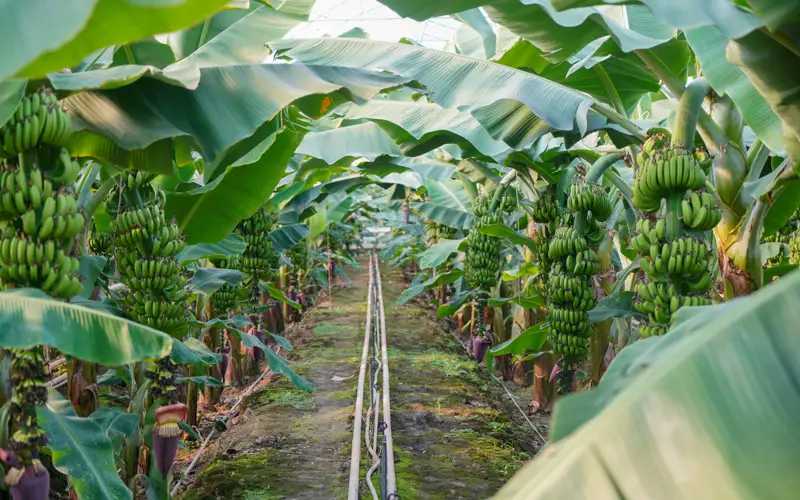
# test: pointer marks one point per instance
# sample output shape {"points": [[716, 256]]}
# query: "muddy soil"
{"points": [[456, 433]]}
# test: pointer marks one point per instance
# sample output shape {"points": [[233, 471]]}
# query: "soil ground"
{"points": [[456, 433]]}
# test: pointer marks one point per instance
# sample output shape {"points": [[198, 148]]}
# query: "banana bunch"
{"points": [[28, 372], [700, 212], [483, 251], [259, 259], [164, 316], [39, 119], [678, 271], [652, 330], [435, 232], [37, 243], [585, 197], [663, 170], [540, 251], [566, 241], [101, 244], [660, 301], [298, 256], [139, 182], [571, 297], [37, 247], [146, 256], [483, 202], [794, 250], [545, 208], [509, 201], [570, 290], [583, 263], [648, 234], [682, 259], [39, 263], [224, 300]]}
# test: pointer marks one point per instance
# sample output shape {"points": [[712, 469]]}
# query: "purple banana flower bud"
{"points": [[223, 366], [28, 483], [481, 345], [166, 435]]}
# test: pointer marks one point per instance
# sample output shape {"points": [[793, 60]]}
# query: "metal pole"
{"points": [[391, 481], [355, 454]]}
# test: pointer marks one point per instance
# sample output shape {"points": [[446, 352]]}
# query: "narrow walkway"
{"points": [[453, 436]]}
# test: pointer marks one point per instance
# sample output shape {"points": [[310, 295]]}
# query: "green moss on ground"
{"points": [[299, 400], [242, 477]]}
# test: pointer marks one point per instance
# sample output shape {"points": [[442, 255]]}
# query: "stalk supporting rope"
{"points": [[358, 416]]}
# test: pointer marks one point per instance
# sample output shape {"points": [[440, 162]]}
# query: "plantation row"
{"points": [[602, 197]]}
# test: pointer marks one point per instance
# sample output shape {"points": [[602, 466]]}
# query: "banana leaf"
{"points": [[706, 411]]}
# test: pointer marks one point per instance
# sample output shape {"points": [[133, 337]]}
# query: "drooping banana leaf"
{"points": [[509, 103], [706, 411], [29, 317], [50, 35]]}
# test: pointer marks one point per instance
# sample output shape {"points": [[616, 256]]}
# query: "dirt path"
{"points": [[453, 435]]}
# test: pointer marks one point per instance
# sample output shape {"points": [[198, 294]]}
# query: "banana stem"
{"points": [[469, 186], [752, 236], [620, 184], [674, 223], [580, 223], [599, 167], [564, 183], [712, 135], [688, 113], [498, 193], [620, 120]]}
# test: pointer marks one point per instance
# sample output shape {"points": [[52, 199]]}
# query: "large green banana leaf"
{"points": [[364, 140], [685, 14], [589, 48], [232, 246], [81, 449], [241, 32], [707, 411], [426, 122], [49, 35], [502, 99], [771, 66], [476, 22], [709, 46], [209, 213], [237, 37], [29, 317], [226, 110], [451, 217]]}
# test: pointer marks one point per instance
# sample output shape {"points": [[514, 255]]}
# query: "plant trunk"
{"points": [[192, 396], [544, 391], [81, 389], [213, 339], [598, 344], [235, 375], [284, 287]]}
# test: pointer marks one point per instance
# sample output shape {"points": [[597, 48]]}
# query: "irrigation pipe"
{"points": [[214, 430], [391, 481], [371, 439], [358, 415]]}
